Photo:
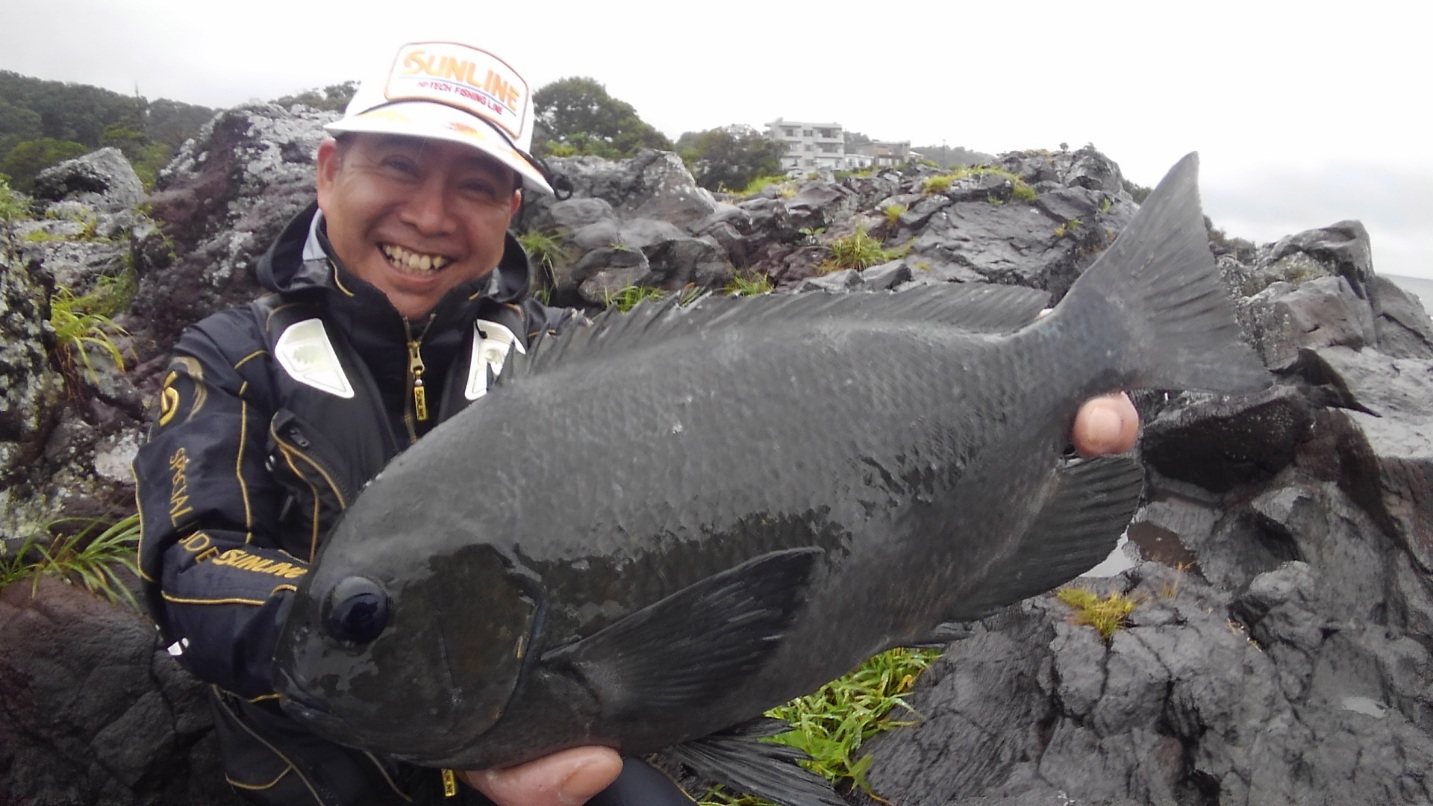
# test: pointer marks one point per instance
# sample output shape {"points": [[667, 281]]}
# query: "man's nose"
{"points": [[427, 208]]}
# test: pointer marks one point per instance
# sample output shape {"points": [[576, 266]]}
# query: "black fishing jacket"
{"points": [[272, 418]]}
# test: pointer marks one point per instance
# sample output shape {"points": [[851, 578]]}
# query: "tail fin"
{"points": [[1163, 285]]}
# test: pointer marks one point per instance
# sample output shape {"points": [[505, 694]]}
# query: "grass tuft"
{"points": [[100, 562], [856, 251], [744, 284], [82, 323], [625, 299], [1020, 190], [546, 252], [1107, 615]]}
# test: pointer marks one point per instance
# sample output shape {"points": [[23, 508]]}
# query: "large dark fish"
{"points": [[657, 528]]}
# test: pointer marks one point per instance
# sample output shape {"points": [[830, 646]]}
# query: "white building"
{"points": [[821, 147], [810, 146]]}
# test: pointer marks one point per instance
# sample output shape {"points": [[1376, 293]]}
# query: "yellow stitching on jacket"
{"points": [[239, 463], [139, 550], [246, 359], [195, 371], [245, 726], [182, 600], [291, 455], [384, 772], [338, 280], [257, 787], [268, 320]]}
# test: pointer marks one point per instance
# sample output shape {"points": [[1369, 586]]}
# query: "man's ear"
{"points": [[516, 202], [329, 162]]}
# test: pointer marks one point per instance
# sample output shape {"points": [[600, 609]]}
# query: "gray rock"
{"points": [[30, 389], [96, 712], [102, 179]]}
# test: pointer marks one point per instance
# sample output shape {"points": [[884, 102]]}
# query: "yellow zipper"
{"points": [[450, 784], [415, 369]]}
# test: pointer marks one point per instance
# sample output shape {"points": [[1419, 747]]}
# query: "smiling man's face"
{"points": [[414, 217]]}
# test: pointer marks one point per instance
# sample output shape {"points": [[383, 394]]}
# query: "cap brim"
{"points": [[438, 122]]}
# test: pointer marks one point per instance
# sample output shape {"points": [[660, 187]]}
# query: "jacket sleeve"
{"points": [[215, 580]]}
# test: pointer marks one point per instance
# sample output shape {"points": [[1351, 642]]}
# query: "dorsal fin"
{"points": [[979, 307]]}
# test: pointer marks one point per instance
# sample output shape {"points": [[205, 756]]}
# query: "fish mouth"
{"points": [[302, 706], [414, 262], [441, 739]]}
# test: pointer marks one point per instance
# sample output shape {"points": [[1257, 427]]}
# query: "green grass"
{"points": [[625, 299], [785, 187], [893, 213], [1019, 188], [748, 285], [81, 323], [831, 723], [546, 251], [856, 251], [1107, 616], [96, 556], [12, 206]]}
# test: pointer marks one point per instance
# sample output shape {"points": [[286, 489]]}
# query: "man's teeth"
{"points": [[413, 261]]}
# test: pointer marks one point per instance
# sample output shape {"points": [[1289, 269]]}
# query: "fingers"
{"points": [[566, 778], [1106, 425]]}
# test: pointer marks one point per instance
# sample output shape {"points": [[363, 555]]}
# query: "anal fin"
{"points": [[739, 759]]}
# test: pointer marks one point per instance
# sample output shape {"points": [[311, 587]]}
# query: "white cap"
{"points": [[454, 92]]}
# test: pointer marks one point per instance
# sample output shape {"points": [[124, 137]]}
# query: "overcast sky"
{"points": [[1304, 113]]}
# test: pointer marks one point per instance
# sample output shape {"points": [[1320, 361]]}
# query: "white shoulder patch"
{"points": [[491, 344], [306, 354]]}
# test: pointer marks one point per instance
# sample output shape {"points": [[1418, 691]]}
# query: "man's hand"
{"points": [[1106, 425], [566, 778]]}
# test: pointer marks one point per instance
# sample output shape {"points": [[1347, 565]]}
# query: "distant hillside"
{"points": [[44, 122]]}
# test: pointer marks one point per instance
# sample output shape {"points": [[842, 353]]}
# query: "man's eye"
{"points": [[480, 190], [401, 166]]}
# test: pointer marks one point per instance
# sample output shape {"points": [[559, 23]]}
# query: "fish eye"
{"points": [[356, 611]]}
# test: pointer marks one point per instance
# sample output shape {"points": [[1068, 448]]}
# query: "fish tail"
{"points": [[1159, 283]]}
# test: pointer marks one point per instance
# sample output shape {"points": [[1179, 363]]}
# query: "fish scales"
{"points": [[733, 503]]}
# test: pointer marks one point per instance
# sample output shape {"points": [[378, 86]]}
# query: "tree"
{"points": [[43, 122], [146, 155], [333, 98], [26, 160], [579, 114], [730, 158]]}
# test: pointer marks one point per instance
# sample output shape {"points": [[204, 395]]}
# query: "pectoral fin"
{"points": [[697, 643], [1084, 514]]}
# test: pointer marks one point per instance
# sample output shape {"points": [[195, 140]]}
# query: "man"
{"points": [[396, 299]]}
